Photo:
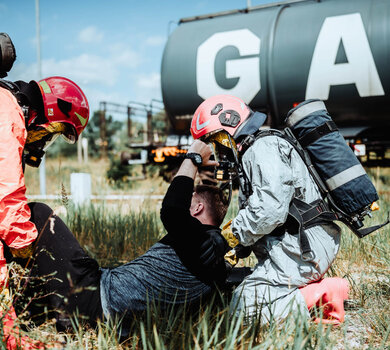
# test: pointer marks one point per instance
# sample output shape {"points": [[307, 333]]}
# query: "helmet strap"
{"points": [[29, 97]]}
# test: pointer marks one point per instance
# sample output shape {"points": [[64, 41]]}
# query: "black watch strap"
{"points": [[196, 158]]}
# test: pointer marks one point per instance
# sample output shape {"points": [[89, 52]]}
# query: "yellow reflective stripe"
{"points": [[45, 87], [83, 120]]}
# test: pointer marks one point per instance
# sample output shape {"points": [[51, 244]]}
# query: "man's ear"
{"points": [[198, 209]]}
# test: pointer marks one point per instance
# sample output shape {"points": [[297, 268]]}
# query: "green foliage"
{"points": [[160, 124], [92, 133], [118, 173], [61, 148]]}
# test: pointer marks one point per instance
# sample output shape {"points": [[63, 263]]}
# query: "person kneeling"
{"points": [[184, 266]]}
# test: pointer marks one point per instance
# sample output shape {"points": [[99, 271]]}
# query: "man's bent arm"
{"points": [[187, 168]]}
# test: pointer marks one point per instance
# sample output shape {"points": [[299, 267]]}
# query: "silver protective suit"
{"points": [[277, 175]]}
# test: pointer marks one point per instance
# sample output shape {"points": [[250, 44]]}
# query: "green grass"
{"points": [[113, 237]]}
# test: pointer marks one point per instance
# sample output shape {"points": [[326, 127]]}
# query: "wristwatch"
{"points": [[195, 157]]}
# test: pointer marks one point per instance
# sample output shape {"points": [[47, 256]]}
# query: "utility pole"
{"points": [[103, 131], [128, 121], [149, 126], [42, 167]]}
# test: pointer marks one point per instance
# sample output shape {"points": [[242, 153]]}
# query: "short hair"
{"points": [[214, 200]]}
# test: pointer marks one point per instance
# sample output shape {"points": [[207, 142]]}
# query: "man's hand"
{"points": [[227, 233], [187, 168], [204, 150], [23, 253]]}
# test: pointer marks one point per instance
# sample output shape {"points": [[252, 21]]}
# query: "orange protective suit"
{"points": [[16, 229]]}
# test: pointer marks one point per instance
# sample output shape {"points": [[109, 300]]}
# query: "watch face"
{"points": [[195, 157], [198, 159]]}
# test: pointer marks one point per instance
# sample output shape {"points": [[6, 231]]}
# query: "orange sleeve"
{"points": [[16, 229]]}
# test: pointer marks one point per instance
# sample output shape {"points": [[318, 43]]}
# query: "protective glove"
{"points": [[238, 251], [227, 233], [23, 253], [231, 257], [10, 330], [11, 334]]}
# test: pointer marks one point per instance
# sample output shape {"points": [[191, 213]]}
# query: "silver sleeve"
{"points": [[267, 165]]}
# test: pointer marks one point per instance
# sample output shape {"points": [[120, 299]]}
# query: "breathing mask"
{"points": [[229, 167], [39, 140]]}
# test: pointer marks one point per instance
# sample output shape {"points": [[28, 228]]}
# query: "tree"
{"points": [[92, 133]]}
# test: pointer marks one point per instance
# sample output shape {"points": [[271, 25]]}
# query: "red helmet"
{"points": [[221, 112], [64, 102]]}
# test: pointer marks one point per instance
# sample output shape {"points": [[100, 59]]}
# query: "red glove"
{"points": [[11, 334]]}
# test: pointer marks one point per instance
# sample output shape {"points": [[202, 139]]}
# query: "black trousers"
{"points": [[62, 279]]}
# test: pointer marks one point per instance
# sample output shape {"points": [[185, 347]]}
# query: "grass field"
{"points": [[114, 235]]}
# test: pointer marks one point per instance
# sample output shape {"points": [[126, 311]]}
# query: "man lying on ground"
{"points": [[184, 266]]}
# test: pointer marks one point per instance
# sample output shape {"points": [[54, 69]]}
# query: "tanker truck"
{"points": [[276, 55]]}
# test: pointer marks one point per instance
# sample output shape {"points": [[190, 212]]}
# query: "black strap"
{"points": [[306, 252], [317, 133], [308, 215], [366, 231], [9, 85]]}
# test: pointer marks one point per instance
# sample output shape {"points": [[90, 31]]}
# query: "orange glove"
{"points": [[11, 334]]}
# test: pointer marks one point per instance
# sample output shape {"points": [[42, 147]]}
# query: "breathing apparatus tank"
{"points": [[341, 175]]}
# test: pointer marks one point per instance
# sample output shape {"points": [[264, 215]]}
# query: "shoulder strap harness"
{"points": [[302, 215], [321, 211]]}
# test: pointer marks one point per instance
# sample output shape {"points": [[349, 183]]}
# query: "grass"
{"points": [[58, 172], [113, 239], [113, 235]]}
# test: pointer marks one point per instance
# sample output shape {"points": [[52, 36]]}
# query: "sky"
{"points": [[111, 49]]}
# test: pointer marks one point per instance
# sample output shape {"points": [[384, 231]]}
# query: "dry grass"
{"points": [[365, 263], [58, 172]]}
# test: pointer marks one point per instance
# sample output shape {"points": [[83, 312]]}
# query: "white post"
{"points": [[80, 188], [80, 149], [42, 176]]}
